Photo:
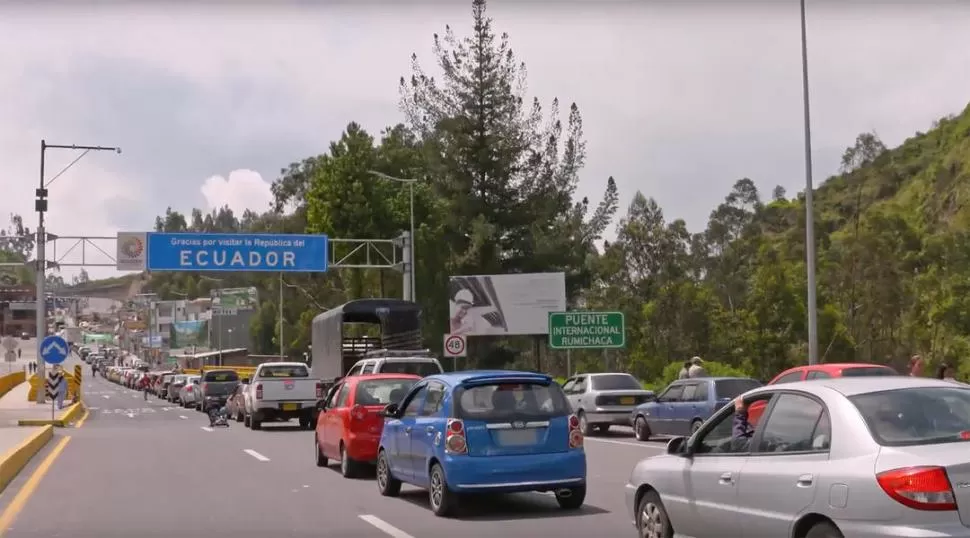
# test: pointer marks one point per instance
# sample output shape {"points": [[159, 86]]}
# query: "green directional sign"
{"points": [[587, 330]]}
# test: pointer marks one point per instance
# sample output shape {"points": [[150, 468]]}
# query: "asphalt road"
{"points": [[151, 469]]}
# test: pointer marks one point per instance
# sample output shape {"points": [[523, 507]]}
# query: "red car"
{"points": [[820, 371], [349, 425]]}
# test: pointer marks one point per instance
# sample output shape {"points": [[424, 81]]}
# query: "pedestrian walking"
{"points": [[916, 366], [685, 371], [696, 368], [20, 353]]}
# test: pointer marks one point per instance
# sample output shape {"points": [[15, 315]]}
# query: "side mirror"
{"points": [[678, 447], [389, 411]]}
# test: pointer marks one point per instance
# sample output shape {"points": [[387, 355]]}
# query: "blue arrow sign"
{"points": [[53, 350], [278, 253]]}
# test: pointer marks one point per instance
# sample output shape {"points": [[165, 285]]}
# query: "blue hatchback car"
{"points": [[482, 431]]}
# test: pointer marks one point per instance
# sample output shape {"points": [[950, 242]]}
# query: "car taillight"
{"points": [[455, 442], [259, 391], [188, 388], [920, 488], [575, 434], [205, 387], [358, 412], [319, 390]]}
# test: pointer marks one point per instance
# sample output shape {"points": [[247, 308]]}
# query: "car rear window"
{"points": [[916, 416], [285, 371], [615, 382], [732, 388], [504, 401], [221, 376], [866, 371], [423, 368], [382, 391]]}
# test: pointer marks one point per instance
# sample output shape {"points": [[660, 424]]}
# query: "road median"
{"points": [[68, 415], [17, 457]]}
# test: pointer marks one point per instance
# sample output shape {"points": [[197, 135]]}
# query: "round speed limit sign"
{"points": [[455, 345]]}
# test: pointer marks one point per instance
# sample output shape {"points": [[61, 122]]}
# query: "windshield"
{"points": [[221, 376], [916, 416], [732, 388], [285, 371], [423, 368], [382, 391], [179, 379], [512, 400], [865, 371], [615, 382]]}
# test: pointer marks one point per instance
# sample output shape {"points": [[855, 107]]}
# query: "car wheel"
{"points": [[321, 459], [246, 420], [584, 426], [239, 416], [694, 426], [348, 467], [641, 429], [387, 485], [571, 498], [304, 423], [652, 520], [254, 423], [824, 529], [444, 502]]}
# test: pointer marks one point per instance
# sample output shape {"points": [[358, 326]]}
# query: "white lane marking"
{"points": [[131, 415], [255, 454], [134, 395], [183, 417], [628, 443], [384, 526], [93, 408], [105, 396], [206, 428]]}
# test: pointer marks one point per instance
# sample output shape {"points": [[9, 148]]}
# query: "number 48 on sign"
{"points": [[455, 346]]}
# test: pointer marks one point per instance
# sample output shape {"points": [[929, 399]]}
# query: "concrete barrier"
{"points": [[9, 381], [68, 415], [17, 458]]}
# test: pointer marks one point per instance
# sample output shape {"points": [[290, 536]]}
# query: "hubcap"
{"points": [[651, 521], [582, 422], [382, 472], [436, 488]]}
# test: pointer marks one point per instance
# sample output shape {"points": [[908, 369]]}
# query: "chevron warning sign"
{"points": [[53, 381]]}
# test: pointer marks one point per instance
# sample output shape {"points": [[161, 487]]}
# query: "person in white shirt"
{"points": [[696, 368]]}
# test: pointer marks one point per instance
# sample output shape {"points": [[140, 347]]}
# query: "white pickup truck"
{"points": [[281, 391]]}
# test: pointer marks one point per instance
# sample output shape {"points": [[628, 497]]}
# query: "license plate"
{"points": [[629, 400], [517, 437], [290, 407]]}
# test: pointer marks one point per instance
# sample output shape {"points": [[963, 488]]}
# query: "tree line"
{"points": [[496, 193]]}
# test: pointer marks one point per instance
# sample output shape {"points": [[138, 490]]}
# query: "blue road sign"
{"points": [[54, 349], [288, 253]]}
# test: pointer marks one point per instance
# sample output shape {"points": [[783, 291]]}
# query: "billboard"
{"points": [[130, 251], [278, 253], [189, 333], [235, 298], [505, 304]]}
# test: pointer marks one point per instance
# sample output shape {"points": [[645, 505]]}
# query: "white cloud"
{"points": [[242, 190]]}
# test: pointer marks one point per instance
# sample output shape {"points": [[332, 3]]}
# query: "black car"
{"points": [[217, 386]]}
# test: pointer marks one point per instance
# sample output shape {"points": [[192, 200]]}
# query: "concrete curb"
{"points": [[69, 415], [17, 458]]}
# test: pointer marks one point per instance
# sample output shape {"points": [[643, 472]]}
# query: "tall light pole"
{"points": [[410, 184], [40, 205], [281, 316], [809, 204], [212, 310]]}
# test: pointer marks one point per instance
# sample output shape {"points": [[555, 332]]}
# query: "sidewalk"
{"points": [[14, 406]]}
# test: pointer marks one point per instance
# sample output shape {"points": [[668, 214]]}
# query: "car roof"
{"points": [[852, 386], [456, 378], [836, 366], [370, 377], [717, 378]]}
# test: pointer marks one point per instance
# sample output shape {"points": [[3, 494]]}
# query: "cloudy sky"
{"points": [[209, 103]]}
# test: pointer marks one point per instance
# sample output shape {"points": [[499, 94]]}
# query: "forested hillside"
{"points": [[498, 173]]}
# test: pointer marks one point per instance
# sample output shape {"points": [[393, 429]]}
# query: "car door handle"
{"points": [[805, 481], [727, 478], [407, 429], [429, 429]]}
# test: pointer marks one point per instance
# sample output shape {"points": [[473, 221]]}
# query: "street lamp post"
{"points": [[809, 203], [40, 205], [410, 183]]}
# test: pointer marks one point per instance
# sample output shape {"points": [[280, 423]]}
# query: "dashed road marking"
{"points": [[255, 454], [105, 396], [206, 428], [130, 415], [183, 417], [384, 526]]}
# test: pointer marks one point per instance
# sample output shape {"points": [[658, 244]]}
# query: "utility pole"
{"points": [[40, 205], [809, 204], [410, 257], [281, 316]]}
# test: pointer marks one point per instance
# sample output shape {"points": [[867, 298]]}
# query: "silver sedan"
{"points": [[849, 457]]}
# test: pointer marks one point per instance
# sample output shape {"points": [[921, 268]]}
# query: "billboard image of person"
{"points": [[504, 304]]}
